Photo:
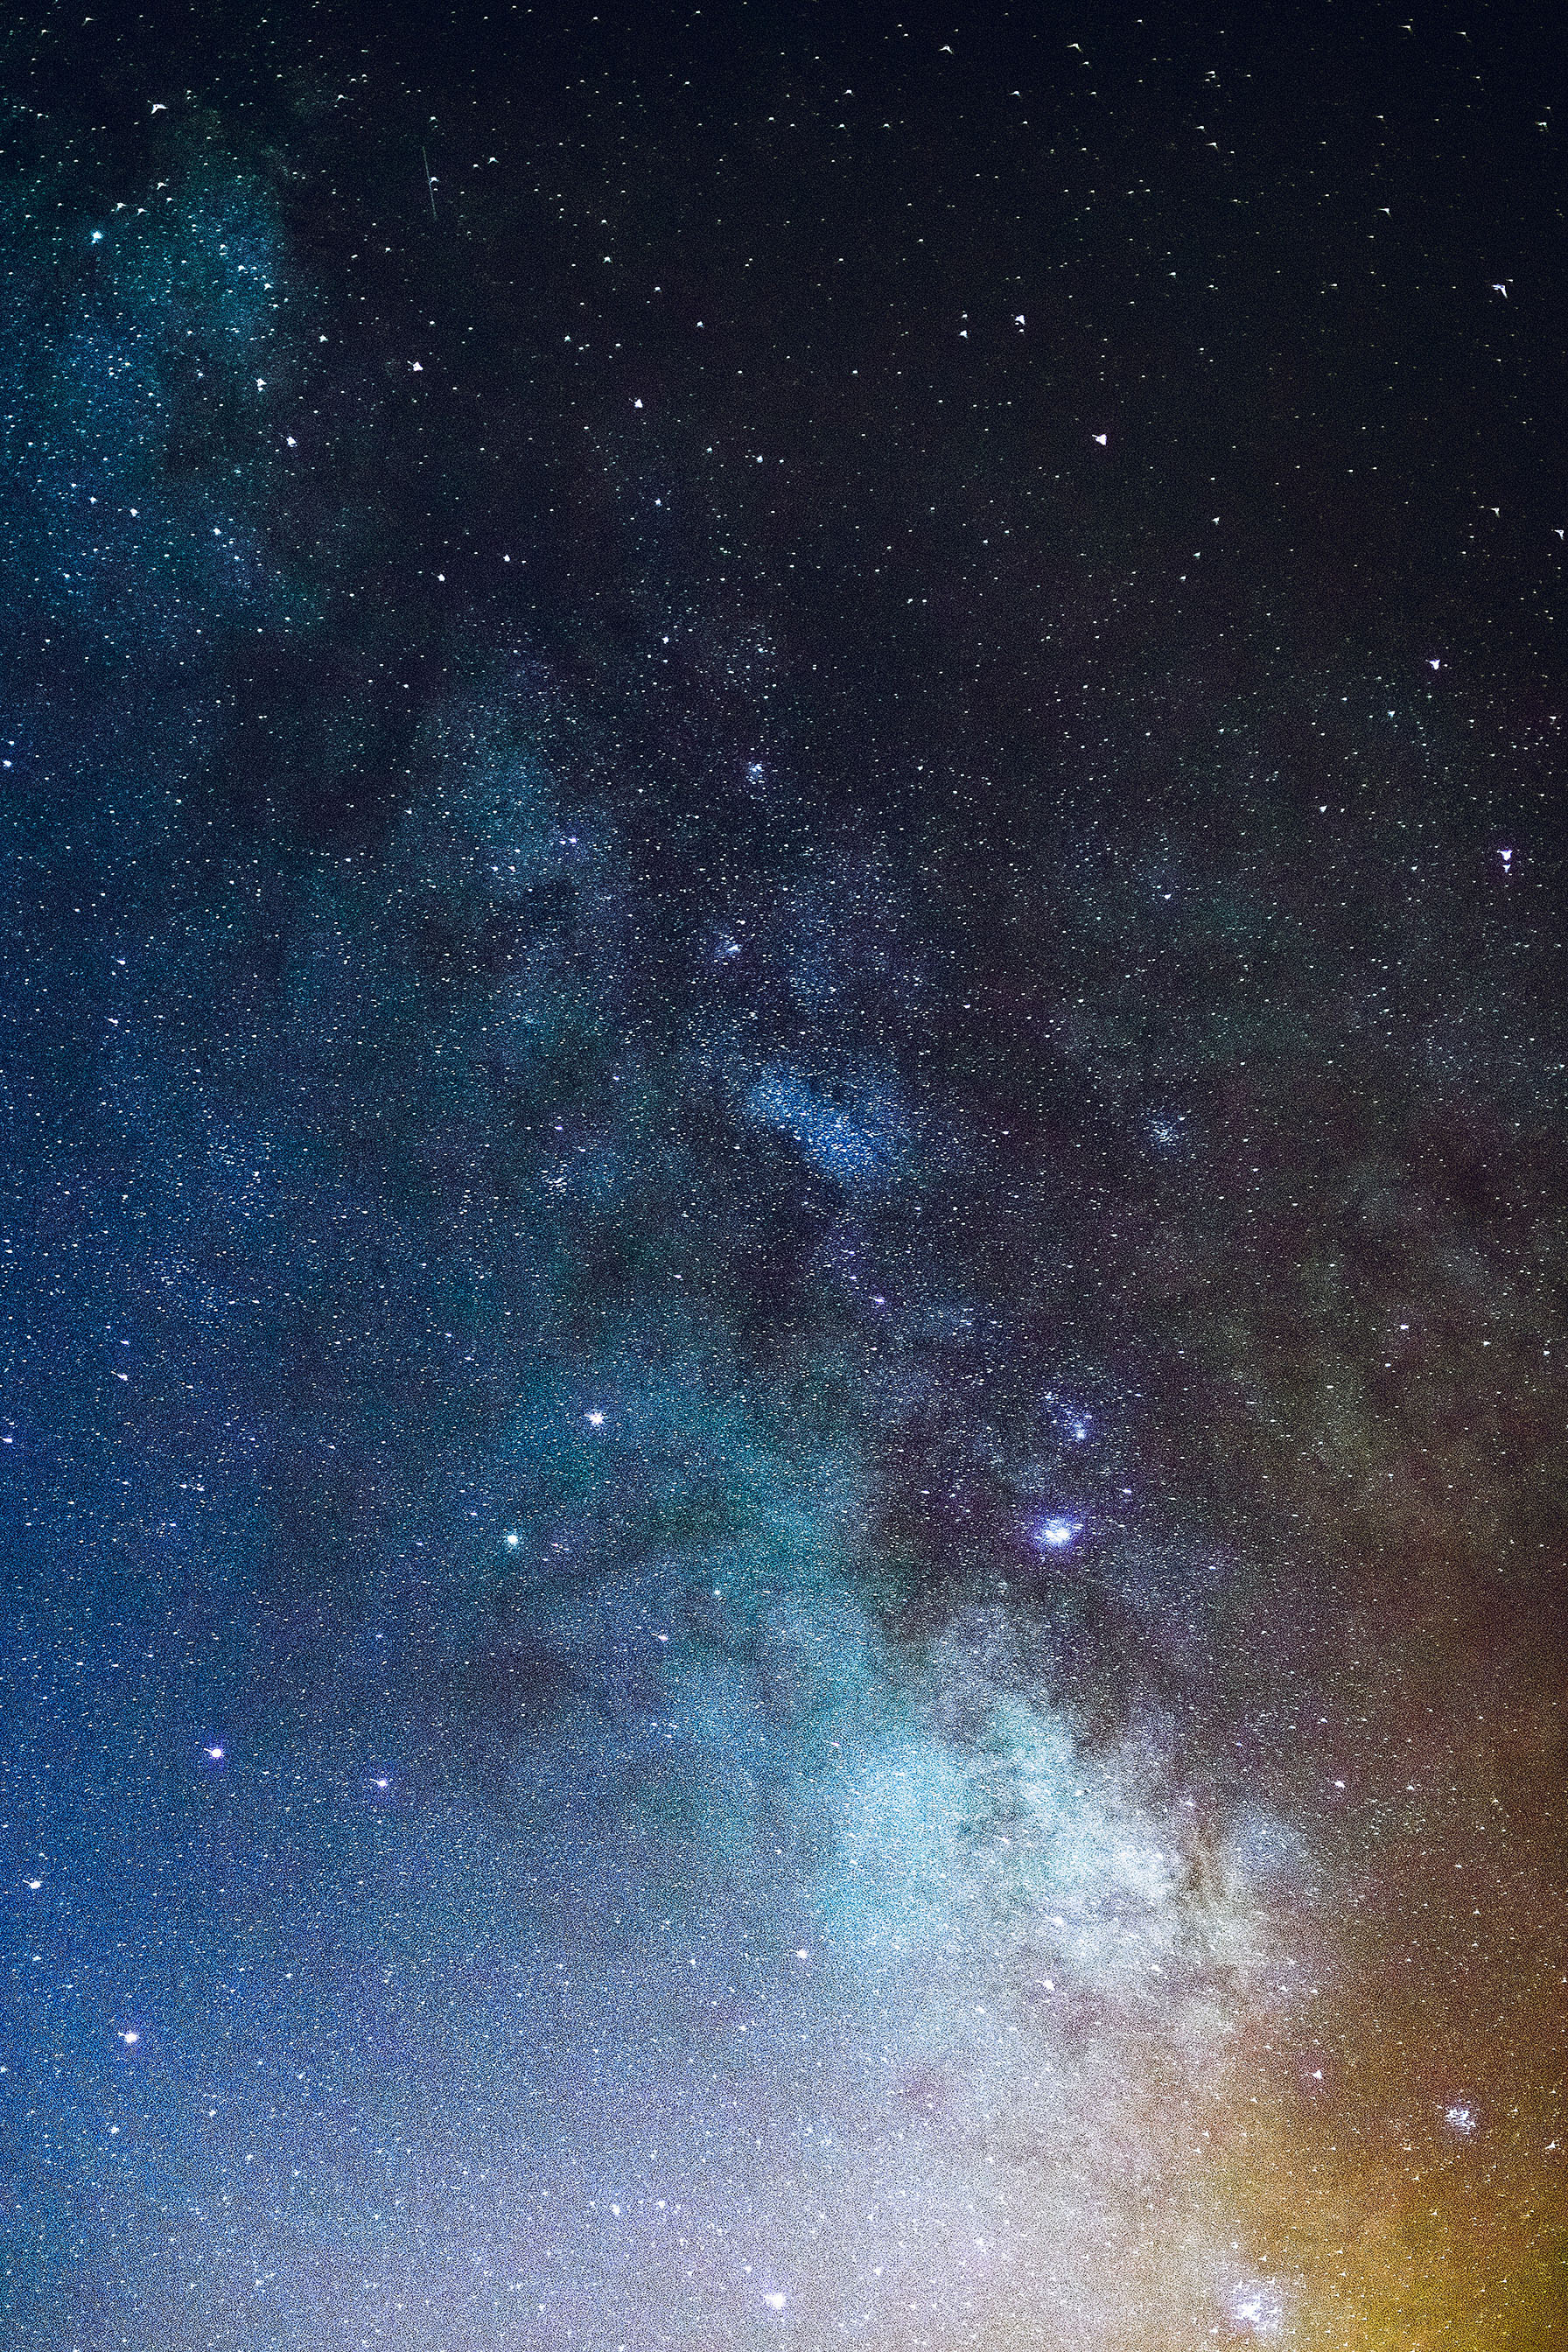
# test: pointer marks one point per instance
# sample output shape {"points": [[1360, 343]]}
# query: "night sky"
{"points": [[784, 1057]]}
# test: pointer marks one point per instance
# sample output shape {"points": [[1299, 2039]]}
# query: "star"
{"points": [[1056, 1534], [936, 855]]}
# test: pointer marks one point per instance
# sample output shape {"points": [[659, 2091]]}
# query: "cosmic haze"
{"points": [[783, 1061]]}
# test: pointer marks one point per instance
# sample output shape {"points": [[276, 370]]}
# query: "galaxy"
{"points": [[783, 1060]]}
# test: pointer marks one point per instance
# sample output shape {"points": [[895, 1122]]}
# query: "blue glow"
{"points": [[855, 1145], [1056, 1534]]}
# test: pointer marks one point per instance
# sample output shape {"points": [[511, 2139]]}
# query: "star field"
{"points": [[785, 1213]]}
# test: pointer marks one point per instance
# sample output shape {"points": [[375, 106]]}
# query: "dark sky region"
{"points": [[785, 1052]]}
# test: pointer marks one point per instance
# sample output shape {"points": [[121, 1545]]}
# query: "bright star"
{"points": [[596, 1420], [1054, 1535]]}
